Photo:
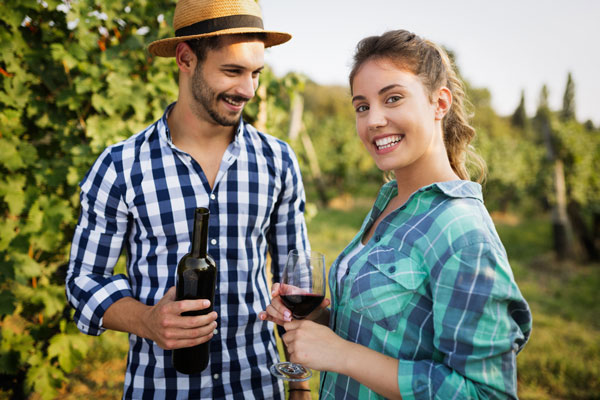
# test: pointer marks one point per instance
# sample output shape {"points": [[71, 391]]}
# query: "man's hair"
{"points": [[201, 46]]}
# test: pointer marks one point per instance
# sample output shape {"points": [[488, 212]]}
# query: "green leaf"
{"points": [[11, 158], [14, 196], [7, 303], [44, 379], [52, 298], [8, 231], [27, 267], [60, 347]]}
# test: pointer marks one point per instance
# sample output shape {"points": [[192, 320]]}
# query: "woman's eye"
{"points": [[361, 108], [393, 99]]}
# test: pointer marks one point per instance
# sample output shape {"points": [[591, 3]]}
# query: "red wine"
{"points": [[196, 279], [302, 304]]}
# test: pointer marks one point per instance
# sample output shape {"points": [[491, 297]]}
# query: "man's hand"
{"points": [[170, 330], [163, 322]]}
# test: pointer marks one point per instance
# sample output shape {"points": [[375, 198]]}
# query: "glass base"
{"points": [[290, 372]]}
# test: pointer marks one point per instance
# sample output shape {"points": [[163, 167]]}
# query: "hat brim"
{"points": [[166, 47]]}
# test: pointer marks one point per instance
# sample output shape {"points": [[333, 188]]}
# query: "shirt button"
{"points": [[392, 269], [214, 241], [216, 376], [377, 238], [216, 332], [212, 196]]}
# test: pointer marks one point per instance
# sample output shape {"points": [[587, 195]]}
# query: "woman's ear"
{"points": [[443, 102], [185, 57]]}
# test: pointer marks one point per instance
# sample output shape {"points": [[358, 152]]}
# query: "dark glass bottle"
{"points": [[196, 279]]}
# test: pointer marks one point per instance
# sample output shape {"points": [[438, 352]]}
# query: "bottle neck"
{"points": [[200, 235]]}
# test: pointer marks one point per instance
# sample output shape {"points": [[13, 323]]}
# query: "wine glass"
{"points": [[302, 289]]}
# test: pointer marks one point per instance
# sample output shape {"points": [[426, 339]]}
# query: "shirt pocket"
{"points": [[385, 285]]}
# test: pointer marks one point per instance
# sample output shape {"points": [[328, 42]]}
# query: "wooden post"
{"points": [[296, 129], [560, 220]]}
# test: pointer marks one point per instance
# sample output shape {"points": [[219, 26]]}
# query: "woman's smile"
{"points": [[387, 143]]}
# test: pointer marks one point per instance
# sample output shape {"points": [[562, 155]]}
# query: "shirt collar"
{"points": [[455, 189], [459, 189]]}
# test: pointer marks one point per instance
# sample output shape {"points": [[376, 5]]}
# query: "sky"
{"points": [[505, 46]]}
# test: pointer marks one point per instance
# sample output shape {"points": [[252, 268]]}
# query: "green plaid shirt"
{"points": [[432, 288]]}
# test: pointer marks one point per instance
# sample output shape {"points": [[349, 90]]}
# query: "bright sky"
{"points": [[506, 46]]}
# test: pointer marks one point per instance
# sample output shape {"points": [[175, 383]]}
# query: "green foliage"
{"points": [[568, 108], [519, 117], [579, 148], [512, 158], [329, 120], [74, 79]]}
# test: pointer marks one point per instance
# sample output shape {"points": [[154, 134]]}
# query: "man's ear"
{"points": [[185, 57], [443, 102]]}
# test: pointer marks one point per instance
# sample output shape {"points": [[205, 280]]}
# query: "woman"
{"points": [[424, 303]]}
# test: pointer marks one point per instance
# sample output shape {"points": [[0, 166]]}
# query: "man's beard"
{"points": [[207, 98]]}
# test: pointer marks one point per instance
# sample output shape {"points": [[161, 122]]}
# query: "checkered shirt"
{"points": [[140, 194], [433, 289]]}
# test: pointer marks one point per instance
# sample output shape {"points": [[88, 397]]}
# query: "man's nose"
{"points": [[247, 86]]}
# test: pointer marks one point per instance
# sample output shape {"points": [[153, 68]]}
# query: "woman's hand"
{"points": [[315, 346], [277, 312]]}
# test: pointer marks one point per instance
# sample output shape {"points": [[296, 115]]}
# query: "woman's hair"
{"points": [[433, 66]]}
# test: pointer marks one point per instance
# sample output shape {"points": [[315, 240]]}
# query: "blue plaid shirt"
{"points": [[433, 289], [141, 194]]}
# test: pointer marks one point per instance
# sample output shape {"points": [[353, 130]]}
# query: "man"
{"points": [[141, 194]]}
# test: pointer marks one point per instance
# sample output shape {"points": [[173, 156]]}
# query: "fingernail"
{"points": [[206, 303], [287, 316]]}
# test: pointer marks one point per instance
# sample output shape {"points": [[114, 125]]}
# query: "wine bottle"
{"points": [[196, 279]]}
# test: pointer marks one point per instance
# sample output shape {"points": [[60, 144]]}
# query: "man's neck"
{"points": [[204, 140], [186, 128]]}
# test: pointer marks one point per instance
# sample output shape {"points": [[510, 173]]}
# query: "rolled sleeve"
{"points": [[91, 286]]}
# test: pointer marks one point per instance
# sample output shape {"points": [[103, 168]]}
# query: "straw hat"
{"points": [[201, 18]]}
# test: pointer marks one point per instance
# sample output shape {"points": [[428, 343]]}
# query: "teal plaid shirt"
{"points": [[433, 289]]}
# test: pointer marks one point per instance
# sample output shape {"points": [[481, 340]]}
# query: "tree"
{"points": [[560, 222], [519, 117], [568, 108], [578, 149]]}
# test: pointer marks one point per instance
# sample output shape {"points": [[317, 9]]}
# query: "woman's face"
{"points": [[395, 119]]}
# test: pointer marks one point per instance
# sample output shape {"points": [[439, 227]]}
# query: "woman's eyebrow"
{"points": [[381, 91]]}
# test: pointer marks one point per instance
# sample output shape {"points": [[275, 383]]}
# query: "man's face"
{"points": [[226, 80]]}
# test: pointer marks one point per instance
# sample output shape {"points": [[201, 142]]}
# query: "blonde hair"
{"points": [[435, 69]]}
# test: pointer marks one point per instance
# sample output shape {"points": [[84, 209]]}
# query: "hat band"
{"points": [[219, 24]]}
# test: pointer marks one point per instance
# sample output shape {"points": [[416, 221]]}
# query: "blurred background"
{"points": [[75, 77]]}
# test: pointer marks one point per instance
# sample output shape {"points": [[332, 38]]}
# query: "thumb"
{"points": [[275, 290], [171, 294]]}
